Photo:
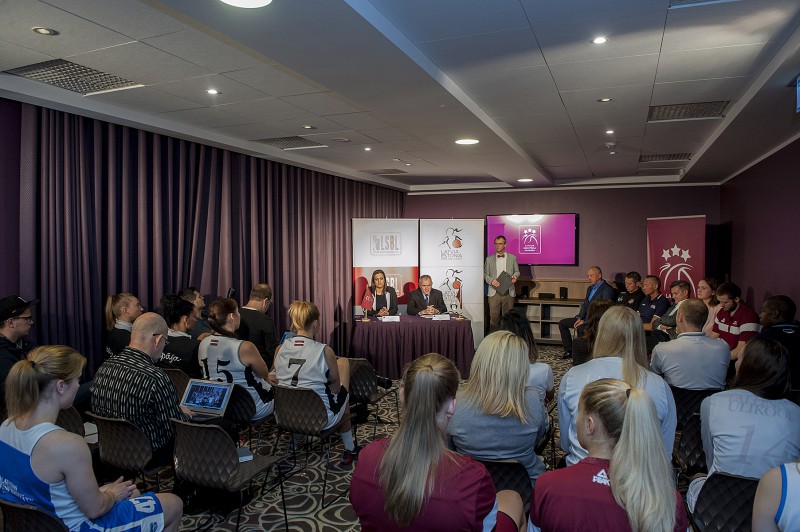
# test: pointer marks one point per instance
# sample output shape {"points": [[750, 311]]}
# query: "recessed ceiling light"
{"points": [[525, 180], [248, 4], [367, 149], [44, 31], [600, 39], [609, 131], [467, 141], [213, 92], [604, 100], [306, 126], [408, 164], [396, 160], [612, 153]]}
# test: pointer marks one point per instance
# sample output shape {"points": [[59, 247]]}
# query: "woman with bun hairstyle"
{"points": [[44, 465], [411, 481], [121, 311], [622, 484]]}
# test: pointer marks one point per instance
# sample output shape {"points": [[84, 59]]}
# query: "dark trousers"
{"points": [[564, 327]]}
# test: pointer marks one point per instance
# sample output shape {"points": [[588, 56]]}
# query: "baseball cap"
{"points": [[13, 306]]}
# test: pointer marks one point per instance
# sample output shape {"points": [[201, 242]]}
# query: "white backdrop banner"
{"points": [[451, 252]]}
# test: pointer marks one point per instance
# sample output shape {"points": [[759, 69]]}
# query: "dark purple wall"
{"points": [[761, 204], [10, 113], [612, 222]]}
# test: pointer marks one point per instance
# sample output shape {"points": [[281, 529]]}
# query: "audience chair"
{"points": [[240, 411], [688, 455], [205, 456], [70, 420], [725, 503], [548, 437], [687, 402], [510, 475], [180, 380], [18, 517], [123, 445], [364, 388], [301, 411]]}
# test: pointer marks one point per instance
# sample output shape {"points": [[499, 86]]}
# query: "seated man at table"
{"points": [[425, 299]]}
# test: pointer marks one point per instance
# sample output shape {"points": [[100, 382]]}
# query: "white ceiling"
{"points": [[407, 78]]}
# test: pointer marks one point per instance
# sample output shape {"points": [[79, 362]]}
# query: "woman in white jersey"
{"points": [[44, 465], [225, 358], [302, 361]]}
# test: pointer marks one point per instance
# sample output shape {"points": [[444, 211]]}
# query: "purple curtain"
{"points": [[107, 208]]}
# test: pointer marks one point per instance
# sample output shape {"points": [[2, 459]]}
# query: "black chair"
{"points": [[180, 380], [240, 411], [688, 455], [301, 411], [687, 402], [548, 438], [364, 389], [725, 503], [18, 517], [510, 475], [70, 420], [205, 456], [123, 445]]}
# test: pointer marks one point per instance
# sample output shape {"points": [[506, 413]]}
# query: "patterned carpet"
{"points": [[303, 488]]}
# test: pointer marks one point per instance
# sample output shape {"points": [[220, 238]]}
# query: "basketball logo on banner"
{"points": [[676, 267], [453, 241]]}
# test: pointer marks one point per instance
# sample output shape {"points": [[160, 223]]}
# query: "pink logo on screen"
{"points": [[676, 267], [530, 239], [451, 289]]}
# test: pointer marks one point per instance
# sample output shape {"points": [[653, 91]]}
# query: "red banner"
{"points": [[676, 250]]}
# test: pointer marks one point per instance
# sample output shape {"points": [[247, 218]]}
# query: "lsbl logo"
{"points": [[676, 267]]}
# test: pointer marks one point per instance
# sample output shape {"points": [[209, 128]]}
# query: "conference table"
{"points": [[389, 346]]}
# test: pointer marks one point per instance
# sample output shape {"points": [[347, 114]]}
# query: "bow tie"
{"points": [[501, 255]]}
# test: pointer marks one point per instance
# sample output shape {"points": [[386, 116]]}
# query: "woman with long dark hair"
{"points": [[412, 481], [384, 297]]}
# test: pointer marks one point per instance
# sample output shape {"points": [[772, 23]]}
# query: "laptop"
{"points": [[286, 336], [207, 399]]}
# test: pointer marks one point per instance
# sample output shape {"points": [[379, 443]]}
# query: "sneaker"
{"points": [[348, 457], [385, 382], [566, 355]]}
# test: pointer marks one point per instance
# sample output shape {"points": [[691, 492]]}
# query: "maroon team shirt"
{"points": [[737, 327]]}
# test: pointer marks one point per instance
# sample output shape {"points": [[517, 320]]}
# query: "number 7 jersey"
{"points": [[300, 361]]}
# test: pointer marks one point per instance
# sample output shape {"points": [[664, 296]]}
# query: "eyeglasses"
{"points": [[164, 336], [29, 317]]}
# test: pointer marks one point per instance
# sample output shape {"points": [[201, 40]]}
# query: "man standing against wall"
{"points": [[501, 300]]}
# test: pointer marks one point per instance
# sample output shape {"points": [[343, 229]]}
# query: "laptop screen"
{"points": [[207, 396], [286, 336]]}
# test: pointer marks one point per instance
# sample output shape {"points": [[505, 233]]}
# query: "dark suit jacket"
{"points": [[416, 301], [391, 300], [604, 292]]}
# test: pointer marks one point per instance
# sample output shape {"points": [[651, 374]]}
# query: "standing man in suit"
{"points": [[498, 262], [598, 289], [425, 299]]}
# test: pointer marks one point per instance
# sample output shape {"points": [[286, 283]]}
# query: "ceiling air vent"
{"points": [[292, 143], [688, 111], [74, 77], [386, 171], [660, 157]]}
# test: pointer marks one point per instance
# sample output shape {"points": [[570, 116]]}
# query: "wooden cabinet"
{"points": [[544, 315]]}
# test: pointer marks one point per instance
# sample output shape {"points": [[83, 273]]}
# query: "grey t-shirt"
{"points": [[692, 361]]}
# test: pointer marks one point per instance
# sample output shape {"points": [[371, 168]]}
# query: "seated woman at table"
{"points": [[302, 361], [48, 467], [384, 298], [623, 483], [411, 481], [540, 375], [497, 416]]}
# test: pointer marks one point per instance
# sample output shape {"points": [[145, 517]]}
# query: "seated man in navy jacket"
{"points": [[425, 299], [598, 289]]}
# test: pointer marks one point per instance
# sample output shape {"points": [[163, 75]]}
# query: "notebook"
{"points": [[207, 399]]}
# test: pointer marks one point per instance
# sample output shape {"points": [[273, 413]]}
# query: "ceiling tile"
{"points": [[573, 171], [251, 131], [140, 63], [636, 34], [266, 110], [274, 81], [201, 49], [195, 89], [387, 134], [527, 129], [132, 18], [711, 63], [703, 90], [146, 100], [541, 13], [209, 117], [633, 118], [357, 120], [586, 100], [621, 71], [13, 56], [321, 103], [555, 153]]}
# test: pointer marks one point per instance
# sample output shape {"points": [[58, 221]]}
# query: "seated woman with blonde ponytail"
{"points": [[625, 483], [412, 481], [44, 465]]}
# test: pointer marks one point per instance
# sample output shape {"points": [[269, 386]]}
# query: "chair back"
{"points": [[687, 402], [122, 444], [70, 420], [510, 475], [180, 380], [689, 452], [204, 454], [299, 410], [725, 503], [26, 517], [363, 381], [241, 407]]}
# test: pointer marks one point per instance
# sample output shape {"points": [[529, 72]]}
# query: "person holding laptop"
{"points": [[227, 359]]}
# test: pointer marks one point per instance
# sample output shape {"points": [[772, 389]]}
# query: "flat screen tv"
{"points": [[536, 239]]}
